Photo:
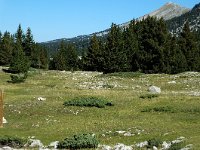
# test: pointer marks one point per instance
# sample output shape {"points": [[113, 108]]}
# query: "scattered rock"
{"points": [[172, 82], [41, 99], [166, 145], [155, 148], [6, 148], [120, 146], [128, 134], [142, 144], [121, 132], [54, 144], [4, 120], [154, 90], [105, 147], [34, 143]]}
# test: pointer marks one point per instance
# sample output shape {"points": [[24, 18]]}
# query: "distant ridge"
{"points": [[168, 11]]}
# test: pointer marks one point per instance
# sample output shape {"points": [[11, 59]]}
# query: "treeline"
{"points": [[19, 52], [19, 45], [145, 46]]}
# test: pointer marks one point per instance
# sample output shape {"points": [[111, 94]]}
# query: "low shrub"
{"points": [[18, 78], [88, 102], [176, 146], [148, 96], [79, 141], [154, 142], [14, 142]]}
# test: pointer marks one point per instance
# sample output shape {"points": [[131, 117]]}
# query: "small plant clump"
{"points": [[148, 96], [14, 142], [154, 142], [79, 141], [18, 78], [88, 102]]}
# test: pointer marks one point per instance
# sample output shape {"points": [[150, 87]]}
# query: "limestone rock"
{"points": [[154, 90]]}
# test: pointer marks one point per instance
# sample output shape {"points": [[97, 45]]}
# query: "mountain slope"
{"points": [[168, 11], [176, 24]]}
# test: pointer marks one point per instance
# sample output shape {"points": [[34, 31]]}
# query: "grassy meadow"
{"points": [[172, 114]]}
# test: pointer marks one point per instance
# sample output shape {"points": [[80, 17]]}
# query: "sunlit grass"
{"points": [[50, 121]]}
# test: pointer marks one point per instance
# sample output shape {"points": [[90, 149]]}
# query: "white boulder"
{"points": [[4, 120], [41, 99], [154, 90]]}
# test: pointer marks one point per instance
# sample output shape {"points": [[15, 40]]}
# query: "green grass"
{"points": [[173, 114]]}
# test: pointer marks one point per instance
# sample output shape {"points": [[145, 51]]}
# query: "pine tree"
{"points": [[131, 46], [189, 47], [114, 55], [152, 35], [174, 59], [19, 63], [93, 59], [19, 36], [71, 58], [6, 49], [60, 58], [29, 44]]}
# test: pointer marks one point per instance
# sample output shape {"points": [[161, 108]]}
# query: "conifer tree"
{"points": [[93, 59], [114, 55], [6, 49], [71, 58], [131, 46], [19, 63], [189, 47], [29, 43], [152, 37], [19, 36]]}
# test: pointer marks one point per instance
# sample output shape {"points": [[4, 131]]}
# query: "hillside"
{"points": [[175, 25], [168, 11], [142, 116]]}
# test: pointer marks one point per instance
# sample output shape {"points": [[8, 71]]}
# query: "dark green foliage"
{"points": [[149, 96], [154, 142], [189, 47], [6, 49], [93, 59], [66, 58], [19, 63], [88, 102], [81, 141], [114, 57], [13, 142], [18, 78], [176, 146]]}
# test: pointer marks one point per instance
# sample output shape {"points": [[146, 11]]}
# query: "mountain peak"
{"points": [[167, 11]]}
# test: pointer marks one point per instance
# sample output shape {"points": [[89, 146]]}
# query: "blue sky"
{"points": [[53, 19]]}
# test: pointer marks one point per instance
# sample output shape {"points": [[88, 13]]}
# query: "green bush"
{"points": [[176, 146], [88, 102], [78, 142], [18, 78], [149, 96], [14, 142], [154, 142]]}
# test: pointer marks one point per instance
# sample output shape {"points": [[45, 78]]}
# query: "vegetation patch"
{"points": [[79, 141], [154, 142], [14, 142], [149, 96], [88, 102]]}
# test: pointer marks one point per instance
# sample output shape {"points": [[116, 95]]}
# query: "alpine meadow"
{"points": [[133, 86]]}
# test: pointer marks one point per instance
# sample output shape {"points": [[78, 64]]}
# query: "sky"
{"points": [[54, 19]]}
